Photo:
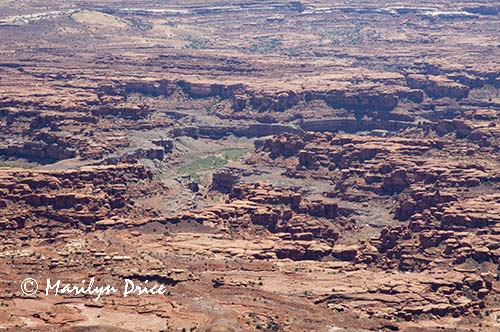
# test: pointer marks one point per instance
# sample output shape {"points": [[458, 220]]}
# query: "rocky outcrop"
{"points": [[125, 110], [154, 88], [371, 99], [460, 127], [483, 10], [396, 181], [203, 90], [166, 144], [38, 151], [286, 145], [437, 86], [60, 198], [225, 179]]}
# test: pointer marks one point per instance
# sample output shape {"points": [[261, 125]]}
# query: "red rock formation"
{"points": [[437, 86]]}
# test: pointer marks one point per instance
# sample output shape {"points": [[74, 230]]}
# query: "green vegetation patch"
{"points": [[233, 153], [2, 164], [196, 43], [265, 45], [350, 35], [203, 164], [219, 159]]}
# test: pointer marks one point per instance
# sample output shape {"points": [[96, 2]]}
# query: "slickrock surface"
{"points": [[276, 165]]}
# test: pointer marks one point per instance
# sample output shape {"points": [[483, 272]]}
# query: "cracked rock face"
{"points": [[273, 165]]}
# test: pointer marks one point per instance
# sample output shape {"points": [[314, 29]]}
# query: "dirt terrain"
{"points": [[276, 165]]}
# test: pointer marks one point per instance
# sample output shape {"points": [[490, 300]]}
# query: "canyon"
{"points": [[274, 165]]}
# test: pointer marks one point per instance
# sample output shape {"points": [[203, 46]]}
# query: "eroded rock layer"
{"points": [[275, 165]]}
